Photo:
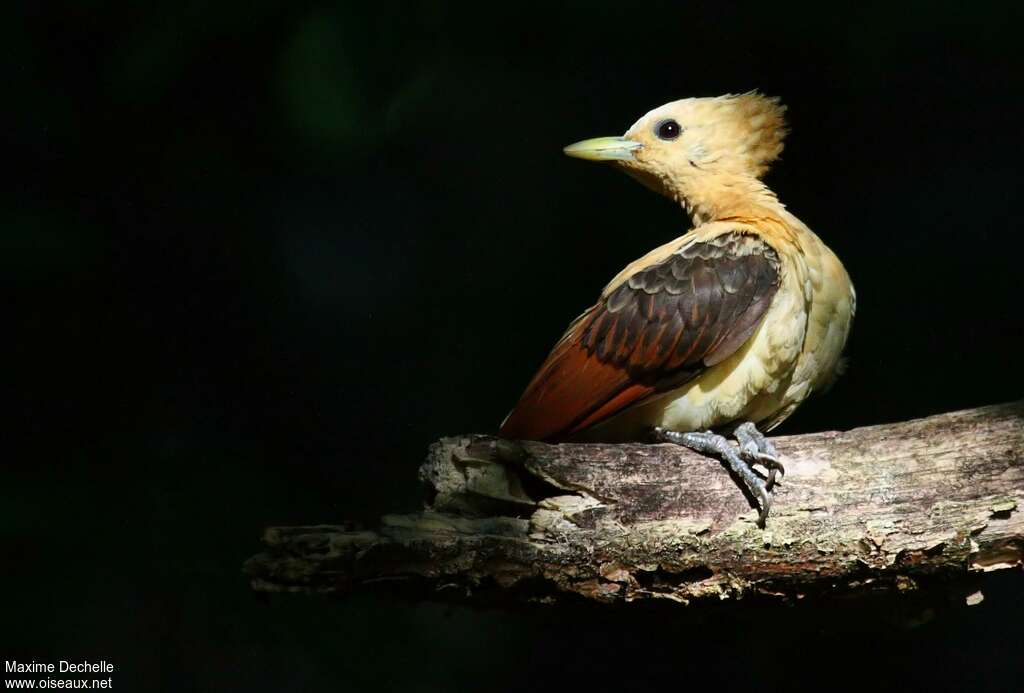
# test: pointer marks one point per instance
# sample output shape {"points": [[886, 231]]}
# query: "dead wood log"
{"points": [[877, 509]]}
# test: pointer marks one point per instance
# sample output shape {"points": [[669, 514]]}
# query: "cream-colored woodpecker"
{"points": [[730, 326]]}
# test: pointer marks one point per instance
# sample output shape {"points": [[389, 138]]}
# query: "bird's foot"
{"points": [[754, 448]]}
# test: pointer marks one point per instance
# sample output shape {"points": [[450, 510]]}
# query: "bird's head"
{"points": [[677, 146]]}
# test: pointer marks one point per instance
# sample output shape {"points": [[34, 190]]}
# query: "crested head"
{"points": [[736, 133], [699, 150]]}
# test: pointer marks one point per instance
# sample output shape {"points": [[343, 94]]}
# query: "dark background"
{"points": [[261, 254]]}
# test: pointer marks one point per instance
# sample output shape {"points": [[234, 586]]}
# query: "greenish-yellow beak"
{"points": [[604, 149]]}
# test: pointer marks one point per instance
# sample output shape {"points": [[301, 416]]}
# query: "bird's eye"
{"points": [[668, 129]]}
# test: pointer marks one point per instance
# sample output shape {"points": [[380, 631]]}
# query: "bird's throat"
{"points": [[710, 198]]}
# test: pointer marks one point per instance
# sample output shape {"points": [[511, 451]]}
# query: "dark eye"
{"points": [[668, 129]]}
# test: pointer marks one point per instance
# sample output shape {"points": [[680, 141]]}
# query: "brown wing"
{"points": [[658, 329]]}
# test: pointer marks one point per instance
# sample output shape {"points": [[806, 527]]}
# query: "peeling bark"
{"points": [[877, 509]]}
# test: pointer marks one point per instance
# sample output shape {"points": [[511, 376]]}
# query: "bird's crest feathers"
{"points": [[761, 128]]}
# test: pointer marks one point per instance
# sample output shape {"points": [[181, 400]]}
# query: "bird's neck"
{"points": [[714, 197]]}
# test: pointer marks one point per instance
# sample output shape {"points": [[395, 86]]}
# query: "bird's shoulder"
{"points": [[715, 238]]}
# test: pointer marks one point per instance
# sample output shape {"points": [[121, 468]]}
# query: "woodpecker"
{"points": [[725, 330]]}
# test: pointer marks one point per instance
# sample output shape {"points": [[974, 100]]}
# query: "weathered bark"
{"points": [[889, 507]]}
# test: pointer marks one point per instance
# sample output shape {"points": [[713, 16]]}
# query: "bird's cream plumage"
{"points": [[762, 306]]}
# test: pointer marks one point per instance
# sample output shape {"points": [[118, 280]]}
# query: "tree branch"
{"points": [[881, 508]]}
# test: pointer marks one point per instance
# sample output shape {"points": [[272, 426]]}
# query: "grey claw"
{"points": [[756, 448], [770, 462], [753, 448], [708, 442]]}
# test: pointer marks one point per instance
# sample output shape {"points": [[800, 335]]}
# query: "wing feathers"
{"points": [[659, 328]]}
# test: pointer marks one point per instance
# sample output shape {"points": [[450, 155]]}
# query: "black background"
{"points": [[262, 253]]}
